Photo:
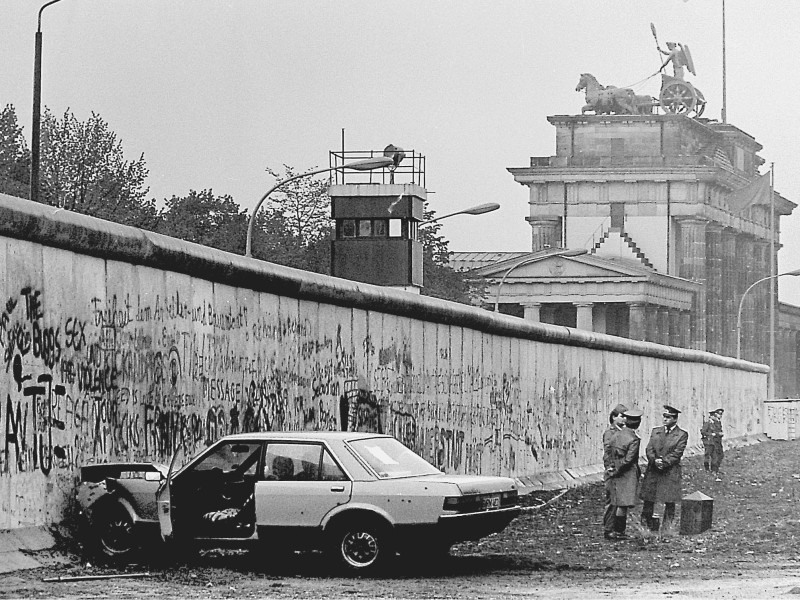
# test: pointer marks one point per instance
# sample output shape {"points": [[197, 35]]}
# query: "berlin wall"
{"points": [[120, 344]]}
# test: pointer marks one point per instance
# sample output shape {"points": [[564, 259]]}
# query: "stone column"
{"points": [[599, 315], [746, 276], [663, 325], [545, 233], [730, 297], [651, 323], [685, 329], [636, 320], [584, 316], [761, 297], [714, 334], [691, 259], [532, 311], [674, 327]]}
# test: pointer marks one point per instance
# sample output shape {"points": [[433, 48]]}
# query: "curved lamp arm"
{"points": [[741, 305], [360, 165], [475, 210]]}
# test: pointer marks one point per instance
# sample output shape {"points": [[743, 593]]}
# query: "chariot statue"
{"points": [[677, 96]]}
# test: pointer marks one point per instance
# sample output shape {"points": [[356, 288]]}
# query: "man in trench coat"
{"points": [[622, 470], [616, 421], [662, 480], [711, 434]]}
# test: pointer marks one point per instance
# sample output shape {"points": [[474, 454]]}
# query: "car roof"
{"points": [[347, 436]]}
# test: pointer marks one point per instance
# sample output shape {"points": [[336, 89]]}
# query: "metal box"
{"points": [[697, 511]]}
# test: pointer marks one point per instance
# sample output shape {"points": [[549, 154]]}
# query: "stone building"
{"points": [[650, 227]]}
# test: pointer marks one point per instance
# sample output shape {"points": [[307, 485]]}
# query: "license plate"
{"points": [[490, 502]]}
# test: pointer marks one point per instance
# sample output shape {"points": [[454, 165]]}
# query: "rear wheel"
{"points": [[362, 547]]}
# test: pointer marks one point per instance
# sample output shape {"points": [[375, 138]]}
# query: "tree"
{"points": [[83, 169], [440, 280], [15, 158], [298, 217], [204, 218]]}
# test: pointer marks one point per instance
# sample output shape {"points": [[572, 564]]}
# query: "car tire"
{"points": [[362, 547], [115, 535]]}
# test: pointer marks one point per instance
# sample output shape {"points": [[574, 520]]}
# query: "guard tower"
{"points": [[376, 234]]}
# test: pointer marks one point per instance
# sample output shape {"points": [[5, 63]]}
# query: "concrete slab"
{"points": [[16, 561], [14, 543], [33, 538]]}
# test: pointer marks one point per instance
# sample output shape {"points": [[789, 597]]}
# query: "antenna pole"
{"points": [[724, 71]]}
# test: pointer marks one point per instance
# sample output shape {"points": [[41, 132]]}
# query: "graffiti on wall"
{"points": [[129, 378]]}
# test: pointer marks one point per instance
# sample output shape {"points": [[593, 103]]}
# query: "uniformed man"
{"points": [[662, 480], [616, 422], [622, 474], [711, 434]]}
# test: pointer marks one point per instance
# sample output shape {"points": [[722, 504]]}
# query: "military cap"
{"points": [[674, 412], [633, 413], [619, 409], [720, 410]]}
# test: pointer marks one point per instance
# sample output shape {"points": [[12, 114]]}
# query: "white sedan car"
{"points": [[362, 497]]}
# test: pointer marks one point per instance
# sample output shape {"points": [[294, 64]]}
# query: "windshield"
{"points": [[389, 458]]}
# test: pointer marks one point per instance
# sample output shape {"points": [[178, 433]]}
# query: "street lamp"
{"points": [[37, 106], [741, 305], [475, 210], [529, 260], [367, 164]]}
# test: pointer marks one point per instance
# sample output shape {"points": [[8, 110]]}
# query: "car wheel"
{"points": [[116, 538], [363, 547]]}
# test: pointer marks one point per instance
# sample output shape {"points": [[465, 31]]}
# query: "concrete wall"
{"points": [[120, 344]]}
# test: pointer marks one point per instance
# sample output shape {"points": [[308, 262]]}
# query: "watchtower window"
{"points": [[364, 228], [380, 227], [395, 228], [348, 228]]}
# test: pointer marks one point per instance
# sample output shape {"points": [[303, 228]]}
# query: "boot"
{"points": [[669, 515], [706, 467], [647, 515], [620, 521]]}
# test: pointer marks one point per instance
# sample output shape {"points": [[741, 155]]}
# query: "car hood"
{"points": [[475, 484]]}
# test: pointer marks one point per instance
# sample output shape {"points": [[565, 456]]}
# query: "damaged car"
{"points": [[361, 497]]}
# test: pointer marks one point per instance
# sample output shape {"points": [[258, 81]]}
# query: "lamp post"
{"points": [[475, 210], [741, 305], [367, 164], [37, 106], [529, 260]]}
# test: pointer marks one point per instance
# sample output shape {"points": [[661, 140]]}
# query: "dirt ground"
{"points": [[554, 550]]}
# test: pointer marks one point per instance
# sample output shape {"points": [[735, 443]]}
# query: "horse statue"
{"points": [[609, 99]]}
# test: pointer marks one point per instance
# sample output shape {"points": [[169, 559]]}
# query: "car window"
{"points": [[292, 462], [231, 456], [330, 470], [301, 462], [389, 458]]}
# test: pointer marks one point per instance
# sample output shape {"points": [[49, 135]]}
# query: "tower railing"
{"points": [[411, 169]]}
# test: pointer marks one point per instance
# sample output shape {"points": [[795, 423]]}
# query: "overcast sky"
{"points": [[214, 91]]}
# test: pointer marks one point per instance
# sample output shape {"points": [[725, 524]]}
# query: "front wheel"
{"points": [[115, 535], [362, 547]]}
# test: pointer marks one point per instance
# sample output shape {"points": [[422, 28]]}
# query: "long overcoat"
{"points": [[622, 467], [664, 485], [711, 433]]}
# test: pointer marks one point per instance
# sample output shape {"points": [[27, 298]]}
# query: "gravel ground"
{"points": [[555, 549]]}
